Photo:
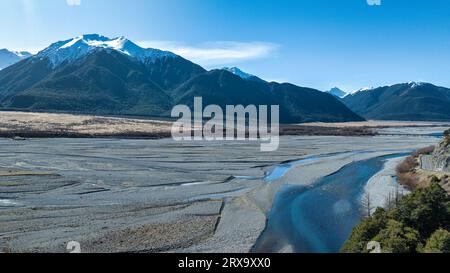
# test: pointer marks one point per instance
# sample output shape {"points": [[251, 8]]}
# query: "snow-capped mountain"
{"points": [[404, 101], [416, 84], [8, 58], [98, 75], [411, 84], [78, 47], [335, 91], [244, 75], [364, 89], [236, 71]]}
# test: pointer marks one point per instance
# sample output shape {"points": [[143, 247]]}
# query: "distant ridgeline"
{"points": [[406, 101], [8, 58], [93, 74]]}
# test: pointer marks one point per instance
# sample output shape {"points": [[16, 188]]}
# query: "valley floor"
{"points": [[50, 125], [141, 195], [27, 124]]}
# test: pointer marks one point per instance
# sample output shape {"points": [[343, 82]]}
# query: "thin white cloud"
{"points": [[216, 53], [73, 2], [374, 2]]}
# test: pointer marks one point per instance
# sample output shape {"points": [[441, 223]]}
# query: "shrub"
{"points": [[414, 222], [447, 133], [435, 179], [439, 242], [398, 238], [409, 180], [406, 174], [407, 165], [446, 141], [424, 151], [365, 232], [425, 210]]}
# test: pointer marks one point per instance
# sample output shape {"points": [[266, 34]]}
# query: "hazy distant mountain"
{"points": [[8, 58], [407, 101], [337, 92], [95, 74]]}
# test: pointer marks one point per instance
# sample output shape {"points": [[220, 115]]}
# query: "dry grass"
{"points": [[406, 174], [424, 151], [408, 165], [377, 124], [65, 125], [407, 171], [47, 125], [325, 131]]}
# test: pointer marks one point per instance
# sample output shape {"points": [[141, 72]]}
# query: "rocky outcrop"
{"points": [[439, 160]]}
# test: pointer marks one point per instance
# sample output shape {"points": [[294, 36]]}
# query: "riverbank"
{"points": [[320, 217], [238, 216], [383, 187]]}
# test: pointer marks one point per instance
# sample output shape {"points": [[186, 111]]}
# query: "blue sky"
{"points": [[315, 43]]}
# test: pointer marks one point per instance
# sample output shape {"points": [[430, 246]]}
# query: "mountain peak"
{"points": [[337, 92], [8, 57], [78, 47], [236, 71], [364, 89], [21, 54], [243, 75], [415, 84]]}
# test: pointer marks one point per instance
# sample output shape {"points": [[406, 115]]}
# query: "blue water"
{"points": [[280, 170], [320, 218], [437, 135]]}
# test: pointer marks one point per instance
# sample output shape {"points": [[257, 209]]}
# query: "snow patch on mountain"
{"points": [[22, 54], [78, 47], [415, 84], [236, 71], [8, 58], [364, 89]]}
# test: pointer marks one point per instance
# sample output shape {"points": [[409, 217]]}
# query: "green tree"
{"points": [[425, 210], [421, 218], [365, 232], [447, 133], [398, 238], [439, 242]]}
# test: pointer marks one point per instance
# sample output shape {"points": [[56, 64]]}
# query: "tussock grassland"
{"points": [[46, 125], [22, 124]]}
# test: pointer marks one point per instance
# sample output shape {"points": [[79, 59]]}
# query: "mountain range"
{"points": [[405, 101], [8, 58], [93, 74], [98, 75]]}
